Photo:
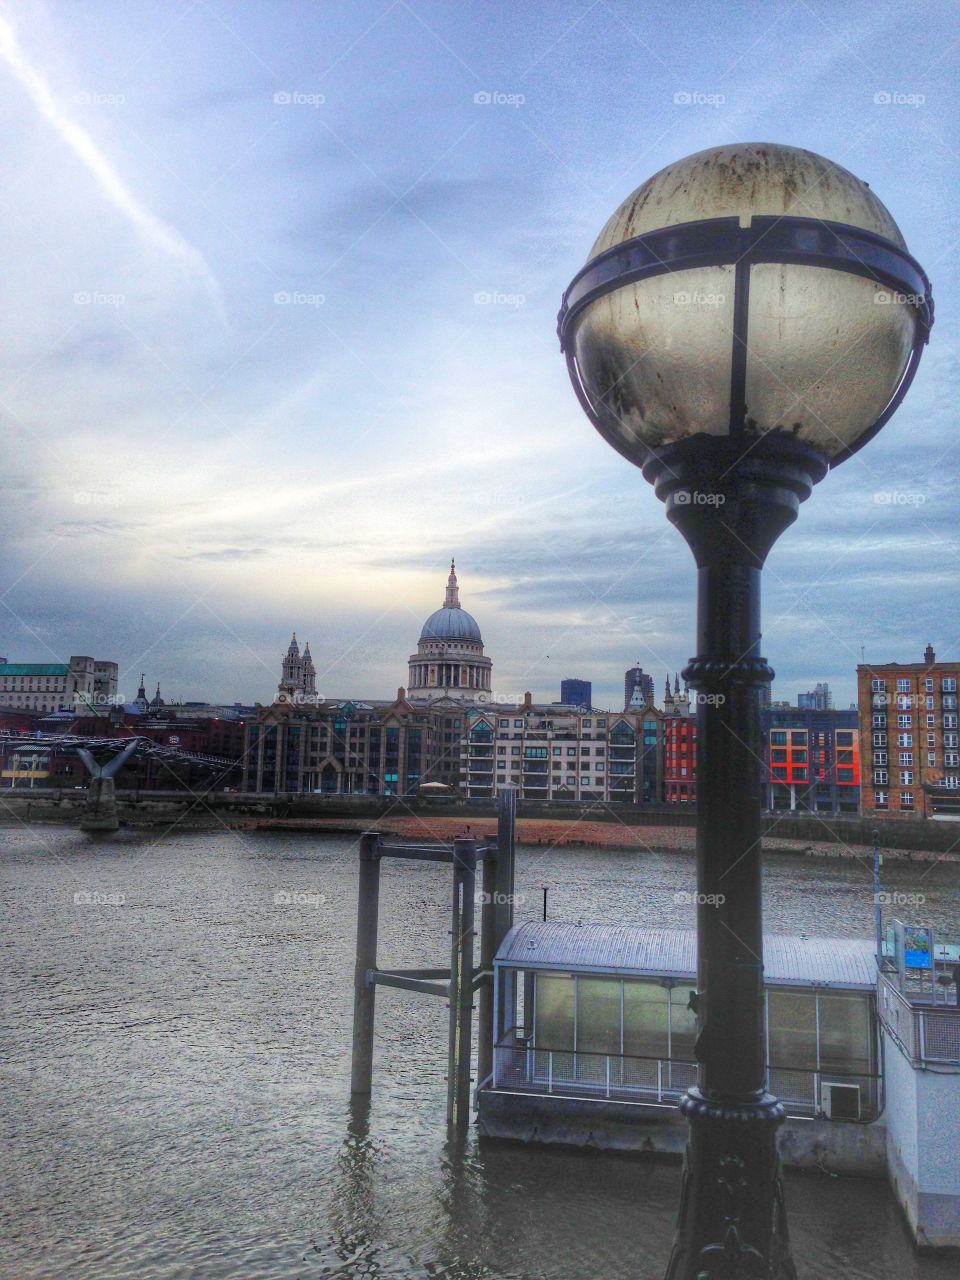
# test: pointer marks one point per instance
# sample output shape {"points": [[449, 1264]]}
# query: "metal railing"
{"points": [[527, 1068], [926, 1033]]}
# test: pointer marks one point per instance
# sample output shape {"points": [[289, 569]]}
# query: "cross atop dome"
{"points": [[452, 599]]}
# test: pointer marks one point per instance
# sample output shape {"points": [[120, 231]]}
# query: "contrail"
{"points": [[152, 229]]}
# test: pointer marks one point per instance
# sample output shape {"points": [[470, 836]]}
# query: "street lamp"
{"points": [[748, 318]]}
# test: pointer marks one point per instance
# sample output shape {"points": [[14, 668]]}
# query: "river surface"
{"points": [[175, 1050]]}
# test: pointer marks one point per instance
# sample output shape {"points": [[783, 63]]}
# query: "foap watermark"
{"points": [[298, 898], [494, 298], [694, 98], [498, 899], [86, 298], [302, 698], [897, 899], [899, 498], [686, 899], [96, 898], [297, 98], [684, 299], [81, 700], [98, 498], [886, 298], [94, 98], [708, 699], [894, 98], [698, 498], [497, 497], [297, 298], [494, 98], [500, 699]]}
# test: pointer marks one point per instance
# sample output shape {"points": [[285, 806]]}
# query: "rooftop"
{"points": [[789, 960]]}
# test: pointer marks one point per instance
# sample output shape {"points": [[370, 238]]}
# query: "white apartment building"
{"points": [[550, 752]]}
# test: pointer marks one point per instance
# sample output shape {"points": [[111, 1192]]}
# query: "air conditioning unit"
{"points": [[840, 1101]]}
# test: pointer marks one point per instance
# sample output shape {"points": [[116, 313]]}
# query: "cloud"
{"points": [[154, 232]]}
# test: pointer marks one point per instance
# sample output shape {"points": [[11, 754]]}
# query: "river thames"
{"points": [[176, 1051]]}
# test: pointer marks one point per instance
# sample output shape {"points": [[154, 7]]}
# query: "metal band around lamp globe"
{"points": [[716, 242], [732, 479]]}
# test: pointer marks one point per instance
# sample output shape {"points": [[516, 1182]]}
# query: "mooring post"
{"points": [[461, 982], [488, 947], [364, 992], [506, 839]]}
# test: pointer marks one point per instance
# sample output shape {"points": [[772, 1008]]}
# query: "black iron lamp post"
{"points": [[747, 319]]}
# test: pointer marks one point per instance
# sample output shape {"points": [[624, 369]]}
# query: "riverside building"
{"points": [[58, 686], [909, 738]]}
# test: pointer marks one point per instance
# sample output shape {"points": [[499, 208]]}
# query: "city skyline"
{"points": [[297, 347]]}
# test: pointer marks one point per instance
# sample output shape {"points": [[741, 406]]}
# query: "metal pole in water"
{"points": [[877, 909], [487, 951], [364, 992], [461, 982]]}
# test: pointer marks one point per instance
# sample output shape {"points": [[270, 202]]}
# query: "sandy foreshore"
{"points": [[575, 833]]}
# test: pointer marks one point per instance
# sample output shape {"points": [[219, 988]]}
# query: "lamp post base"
{"points": [[733, 1224]]}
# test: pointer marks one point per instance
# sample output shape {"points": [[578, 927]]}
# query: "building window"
{"points": [[904, 722], [584, 782], [951, 781], [877, 686], [932, 760], [504, 724], [880, 720], [950, 740], [880, 777], [601, 724], [949, 684], [906, 758], [903, 685], [949, 721], [880, 799], [879, 757], [928, 684], [906, 799], [879, 739], [571, 751], [906, 778], [904, 739]]}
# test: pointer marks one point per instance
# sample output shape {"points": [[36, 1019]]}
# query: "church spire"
{"points": [[452, 599]]}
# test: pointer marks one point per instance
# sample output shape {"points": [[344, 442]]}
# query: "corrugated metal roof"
{"points": [[672, 953]]}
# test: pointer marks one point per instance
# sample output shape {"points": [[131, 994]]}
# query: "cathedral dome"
{"points": [[449, 662], [451, 623]]}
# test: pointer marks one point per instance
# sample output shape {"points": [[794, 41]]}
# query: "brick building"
{"points": [[909, 738]]}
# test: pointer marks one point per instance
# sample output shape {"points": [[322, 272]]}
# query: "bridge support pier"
{"points": [[100, 811]]}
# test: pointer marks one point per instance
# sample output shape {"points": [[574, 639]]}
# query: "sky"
{"points": [[281, 285]]}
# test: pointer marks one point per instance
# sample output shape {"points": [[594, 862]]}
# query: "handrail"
{"points": [[680, 1062]]}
